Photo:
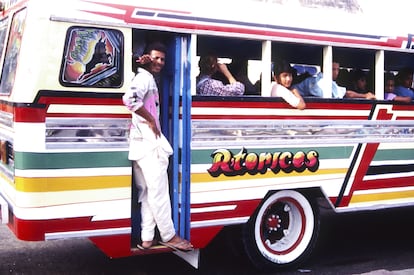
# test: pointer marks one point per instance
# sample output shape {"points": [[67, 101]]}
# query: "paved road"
{"points": [[368, 243]]}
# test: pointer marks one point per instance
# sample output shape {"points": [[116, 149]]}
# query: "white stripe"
{"points": [[88, 233], [392, 162], [213, 209], [223, 222], [108, 204], [277, 112], [87, 109], [78, 172]]}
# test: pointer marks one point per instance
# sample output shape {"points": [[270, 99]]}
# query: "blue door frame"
{"points": [[178, 85]]}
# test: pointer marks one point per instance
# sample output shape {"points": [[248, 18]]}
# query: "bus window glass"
{"points": [[92, 58], [12, 52], [3, 33], [352, 61], [242, 57]]}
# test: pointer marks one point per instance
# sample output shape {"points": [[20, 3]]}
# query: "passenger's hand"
{"points": [[222, 68], [370, 95], [225, 71], [144, 59]]}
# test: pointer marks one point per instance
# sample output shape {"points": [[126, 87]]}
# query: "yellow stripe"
{"points": [[70, 183], [382, 196], [205, 177]]}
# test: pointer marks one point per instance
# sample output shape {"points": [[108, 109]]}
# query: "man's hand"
{"points": [[370, 95], [145, 59], [153, 125], [225, 71]]}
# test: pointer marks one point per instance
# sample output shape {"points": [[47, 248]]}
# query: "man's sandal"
{"points": [[181, 245]]}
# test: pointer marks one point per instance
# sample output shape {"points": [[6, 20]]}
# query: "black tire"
{"points": [[283, 231]]}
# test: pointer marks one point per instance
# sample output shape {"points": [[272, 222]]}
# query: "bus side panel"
{"points": [[244, 149]]}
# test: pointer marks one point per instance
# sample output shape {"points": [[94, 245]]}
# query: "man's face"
{"points": [[389, 86], [408, 81], [335, 70], [158, 61]]}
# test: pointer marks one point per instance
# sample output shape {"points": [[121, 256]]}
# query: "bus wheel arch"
{"points": [[283, 231]]}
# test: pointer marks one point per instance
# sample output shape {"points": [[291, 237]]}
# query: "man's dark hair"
{"points": [[155, 46], [206, 64], [388, 76]]}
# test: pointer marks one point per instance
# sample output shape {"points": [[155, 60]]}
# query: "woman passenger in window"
{"points": [[206, 85], [281, 87]]}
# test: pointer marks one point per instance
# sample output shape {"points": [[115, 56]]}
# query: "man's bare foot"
{"points": [[147, 244]]}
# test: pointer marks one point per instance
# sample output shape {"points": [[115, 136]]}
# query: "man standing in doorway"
{"points": [[149, 151]]}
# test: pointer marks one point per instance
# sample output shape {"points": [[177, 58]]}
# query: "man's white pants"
{"points": [[151, 178]]}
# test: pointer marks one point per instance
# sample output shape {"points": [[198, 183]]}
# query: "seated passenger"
{"points": [[319, 86], [404, 81], [358, 87], [281, 87], [206, 85], [389, 89]]}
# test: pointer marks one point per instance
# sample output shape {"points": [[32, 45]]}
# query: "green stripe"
{"points": [[394, 154], [25, 160], [334, 152]]}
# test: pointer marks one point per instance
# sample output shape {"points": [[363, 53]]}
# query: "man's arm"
{"points": [[150, 120], [353, 94]]}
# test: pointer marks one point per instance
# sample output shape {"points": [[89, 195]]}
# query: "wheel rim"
{"points": [[284, 226]]}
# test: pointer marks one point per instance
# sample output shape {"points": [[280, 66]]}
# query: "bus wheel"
{"points": [[283, 232]]}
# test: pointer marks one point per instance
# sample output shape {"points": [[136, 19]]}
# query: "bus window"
{"points": [[242, 58], [3, 33], [305, 59], [352, 60], [394, 61], [92, 58], [308, 55], [12, 51], [142, 38]]}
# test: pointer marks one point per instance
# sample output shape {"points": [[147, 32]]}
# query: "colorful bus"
{"points": [[251, 161]]}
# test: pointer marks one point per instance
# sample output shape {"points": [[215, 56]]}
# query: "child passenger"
{"points": [[389, 89], [281, 86], [404, 83]]}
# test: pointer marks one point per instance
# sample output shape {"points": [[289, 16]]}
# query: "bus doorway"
{"points": [[174, 90]]}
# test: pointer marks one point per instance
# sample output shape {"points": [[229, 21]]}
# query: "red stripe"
{"points": [[79, 100], [242, 209], [387, 183], [270, 104], [23, 114], [403, 107], [38, 113], [275, 117], [35, 230], [130, 17]]}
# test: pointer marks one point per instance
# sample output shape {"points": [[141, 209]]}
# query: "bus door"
{"points": [[174, 94]]}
